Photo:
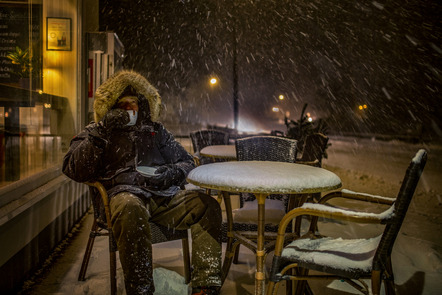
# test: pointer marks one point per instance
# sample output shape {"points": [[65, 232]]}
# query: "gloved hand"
{"points": [[168, 175], [115, 118]]}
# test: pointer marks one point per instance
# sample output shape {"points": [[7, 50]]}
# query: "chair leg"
{"points": [[270, 288], [235, 258], [289, 284], [113, 265], [389, 281], [376, 282], [186, 257], [308, 290], [228, 257], [301, 285], [87, 252]]}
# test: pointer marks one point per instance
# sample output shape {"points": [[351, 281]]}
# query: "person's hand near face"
{"points": [[124, 113], [130, 105]]}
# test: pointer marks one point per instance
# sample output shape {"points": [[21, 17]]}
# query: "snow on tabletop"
{"points": [[338, 253], [324, 208], [226, 151], [264, 176], [346, 191]]}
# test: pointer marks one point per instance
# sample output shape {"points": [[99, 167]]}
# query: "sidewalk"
{"points": [[62, 276], [420, 274], [417, 260]]}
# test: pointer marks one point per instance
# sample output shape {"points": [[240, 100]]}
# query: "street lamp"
{"points": [[213, 81]]}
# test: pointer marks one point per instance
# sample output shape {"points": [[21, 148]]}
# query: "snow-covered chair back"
{"points": [[400, 208], [261, 148], [202, 138], [346, 259], [266, 148]]}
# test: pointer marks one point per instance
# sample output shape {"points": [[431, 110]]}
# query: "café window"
{"points": [[34, 102]]}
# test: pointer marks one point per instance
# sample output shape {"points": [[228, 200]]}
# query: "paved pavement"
{"points": [[372, 167]]}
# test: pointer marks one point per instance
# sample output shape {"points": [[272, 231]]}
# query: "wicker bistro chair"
{"points": [[100, 227], [347, 259], [202, 138], [261, 148], [313, 150]]}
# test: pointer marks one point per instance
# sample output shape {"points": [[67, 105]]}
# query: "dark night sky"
{"points": [[331, 54]]}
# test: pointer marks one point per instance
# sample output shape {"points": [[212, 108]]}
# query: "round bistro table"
{"points": [[224, 152], [262, 178]]}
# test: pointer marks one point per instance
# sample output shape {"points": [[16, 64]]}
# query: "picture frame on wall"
{"points": [[59, 33]]}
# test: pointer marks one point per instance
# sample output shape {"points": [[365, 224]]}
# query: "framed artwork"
{"points": [[59, 33]]}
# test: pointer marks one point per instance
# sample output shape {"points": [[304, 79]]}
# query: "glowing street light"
{"points": [[281, 97], [213, 81]]}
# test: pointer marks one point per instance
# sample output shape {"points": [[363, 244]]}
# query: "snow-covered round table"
{"points": [[225, 152], [261, 178]]}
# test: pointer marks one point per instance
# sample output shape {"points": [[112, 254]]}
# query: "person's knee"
{"points": [[128, 207], [211, 201], [212, 207], [211, 218]]}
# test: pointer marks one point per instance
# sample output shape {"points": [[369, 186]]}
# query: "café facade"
{"points": [[52, 57]]}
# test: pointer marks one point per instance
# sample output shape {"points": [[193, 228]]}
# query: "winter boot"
{"points": [[211, 290]]}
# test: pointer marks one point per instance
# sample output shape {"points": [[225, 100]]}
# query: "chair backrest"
{"points": [[314, 148], [266, 148], [202, 138], [401, 204]]}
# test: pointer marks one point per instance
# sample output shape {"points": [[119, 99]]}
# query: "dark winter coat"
{"points": [[96, 154]]}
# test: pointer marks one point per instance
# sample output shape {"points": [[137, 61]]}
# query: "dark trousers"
{"points": [[187, 209]]}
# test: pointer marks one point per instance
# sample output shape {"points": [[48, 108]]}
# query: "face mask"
{"points": [[133, 115]]}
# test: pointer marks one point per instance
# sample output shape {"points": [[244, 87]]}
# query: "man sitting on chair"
{"points": [[126, 134]]}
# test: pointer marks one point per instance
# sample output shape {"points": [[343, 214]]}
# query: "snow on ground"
{"points": [[364, 165]]}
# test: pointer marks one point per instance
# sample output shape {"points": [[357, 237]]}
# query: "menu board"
{"points": [[15, 25]]}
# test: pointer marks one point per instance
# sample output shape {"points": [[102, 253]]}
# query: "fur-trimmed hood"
{"points": [[108, 93]]}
